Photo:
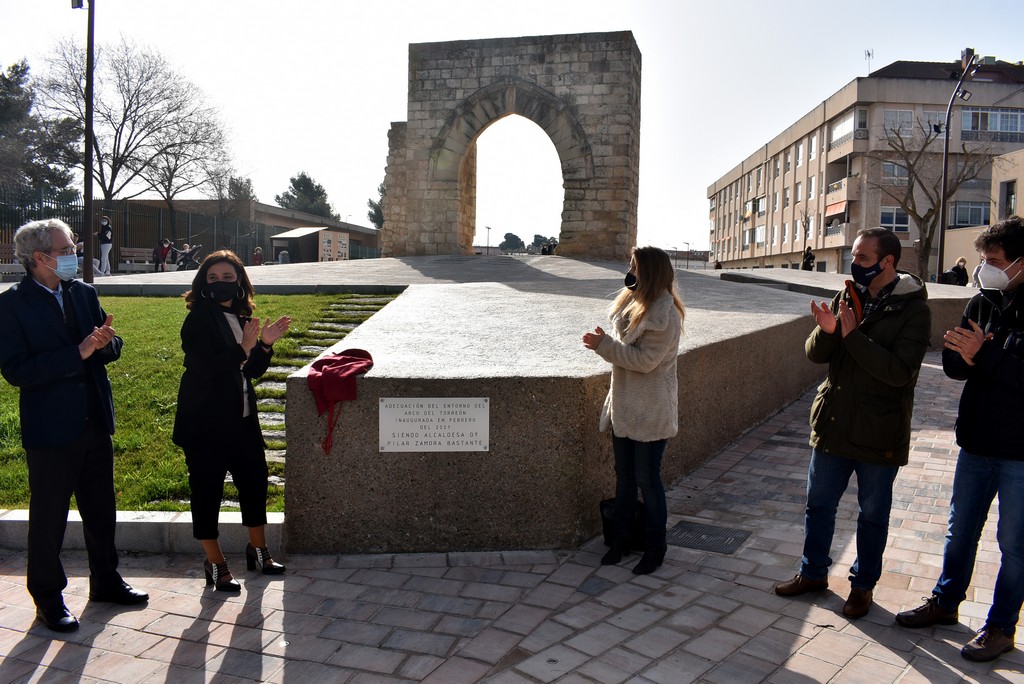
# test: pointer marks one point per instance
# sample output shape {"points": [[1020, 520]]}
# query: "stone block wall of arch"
{"points": [[583, 90]]}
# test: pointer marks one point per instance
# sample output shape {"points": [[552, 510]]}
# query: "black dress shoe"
{"points": [[122, 593], [57, 617]]}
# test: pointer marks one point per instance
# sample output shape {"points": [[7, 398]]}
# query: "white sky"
{"points": [[314, 85]]}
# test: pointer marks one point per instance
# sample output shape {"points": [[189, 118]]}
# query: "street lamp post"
{"points": [[967, 58], [87, 214], [687, 254], [488, 252]]}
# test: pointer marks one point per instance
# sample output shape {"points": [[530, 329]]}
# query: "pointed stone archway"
{"points": [[582, 90]]}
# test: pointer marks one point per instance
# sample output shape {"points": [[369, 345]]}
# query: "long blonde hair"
{"points": [[655, 275]]}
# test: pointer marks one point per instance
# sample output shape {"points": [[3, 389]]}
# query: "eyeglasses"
{"points": [[64, 251]]}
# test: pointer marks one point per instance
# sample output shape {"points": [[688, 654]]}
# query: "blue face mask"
{"points": [[67, 266], [863, 275]]}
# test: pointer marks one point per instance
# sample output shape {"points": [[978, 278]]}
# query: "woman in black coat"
{"points": [[216, 423]]}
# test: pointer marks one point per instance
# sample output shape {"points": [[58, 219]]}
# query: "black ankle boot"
{"points": [[220, 577], [615, 554], [651, 560]]}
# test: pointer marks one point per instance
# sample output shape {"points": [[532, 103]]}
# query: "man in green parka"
{"points": [[873, 336]]}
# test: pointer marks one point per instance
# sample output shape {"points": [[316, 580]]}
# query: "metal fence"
{"points": [[140, 225]]}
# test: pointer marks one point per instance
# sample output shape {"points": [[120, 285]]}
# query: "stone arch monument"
{"points": [[583, 90]]}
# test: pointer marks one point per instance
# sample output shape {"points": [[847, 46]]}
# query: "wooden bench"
{"points": [[134, 259], [10, 268]]}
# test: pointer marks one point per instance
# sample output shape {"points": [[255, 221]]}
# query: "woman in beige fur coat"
{"points": [[642, 405]]}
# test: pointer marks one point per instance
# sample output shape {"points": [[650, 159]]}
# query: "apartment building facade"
{"points": [[834, 171]]}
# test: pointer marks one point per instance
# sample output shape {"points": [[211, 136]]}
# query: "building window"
{"points": [[799, 192], [785, 198], [789, 161], [812, 147], [810, 227], [762, 205], [810, 188], [894, 173], [796, 230], [799, 154], [775, 201], [778, 164], [992, 124], [759, 235], [862, 119], [841, 131], [895, 219], [785, 231], [760, 174], [775, 234], [748, 183], [971, 214], [746, 239], [933, 119], [898, 122]]}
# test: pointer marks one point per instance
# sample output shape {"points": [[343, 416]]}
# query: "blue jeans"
{"points": [[827, 479], [638, 464], [978, 479]]}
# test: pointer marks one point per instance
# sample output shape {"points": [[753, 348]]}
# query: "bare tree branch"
{"points": [[918, 150]]}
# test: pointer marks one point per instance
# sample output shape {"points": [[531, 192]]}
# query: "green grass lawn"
{"points": [[149, 470]]}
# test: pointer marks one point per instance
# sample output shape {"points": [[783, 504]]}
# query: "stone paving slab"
{"points": [[552, 616]]}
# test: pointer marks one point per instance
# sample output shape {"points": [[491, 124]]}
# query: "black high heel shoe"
{"points": [[220, 577], [260, 556]]}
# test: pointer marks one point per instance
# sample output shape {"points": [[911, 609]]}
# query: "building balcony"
{"points": [[839, 235], [842, 190]]}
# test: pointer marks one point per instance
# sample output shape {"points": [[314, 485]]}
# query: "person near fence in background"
{"points": [[641, 408], [873, 336], [960, 270], [55, 343], [106, 238], [807, 263], [161, 253], [257, 256], [216, 423]]}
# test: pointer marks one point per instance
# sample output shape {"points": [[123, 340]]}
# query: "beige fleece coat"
{"points": [[643, 400]]}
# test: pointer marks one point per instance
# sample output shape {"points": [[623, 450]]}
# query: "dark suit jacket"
{"points": [[210, 394], [39, 356]]}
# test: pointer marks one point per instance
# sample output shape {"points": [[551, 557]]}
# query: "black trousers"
{"points": [[244, 458], [84, 468]]}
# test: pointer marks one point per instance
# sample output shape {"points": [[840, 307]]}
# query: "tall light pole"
{"points": [[687, 254], [488, 251], [968, 69], [87, 214]]}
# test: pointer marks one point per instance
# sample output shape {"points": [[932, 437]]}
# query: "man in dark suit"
{"points": [[55, 341]]}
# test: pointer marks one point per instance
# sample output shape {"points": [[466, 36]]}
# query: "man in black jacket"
{"points": [[987, 351], [873, 337], [55, 341]]}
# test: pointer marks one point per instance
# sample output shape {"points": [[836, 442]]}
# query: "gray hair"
{"points": [[36, 236]]}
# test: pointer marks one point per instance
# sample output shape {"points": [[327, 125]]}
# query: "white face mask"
{"points": [[992, 278], [67, 266]]}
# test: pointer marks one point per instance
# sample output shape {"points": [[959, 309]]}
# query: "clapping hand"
{"points": [[99, 338], [272, 332]]}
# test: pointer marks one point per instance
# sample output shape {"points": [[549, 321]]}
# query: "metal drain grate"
{"points": [[693, 535]]}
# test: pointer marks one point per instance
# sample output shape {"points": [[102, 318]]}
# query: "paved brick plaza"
{"points": [[543, 616]]}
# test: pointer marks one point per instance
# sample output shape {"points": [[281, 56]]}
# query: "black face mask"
{"points": [[630, 281], [222, 291]]}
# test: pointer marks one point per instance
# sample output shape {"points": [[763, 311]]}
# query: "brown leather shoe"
{"points": [[988, 644], [931, 613], [858, 604], [801, 585]]}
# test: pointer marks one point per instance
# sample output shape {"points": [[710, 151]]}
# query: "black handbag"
{"points": [[636, 536]]}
